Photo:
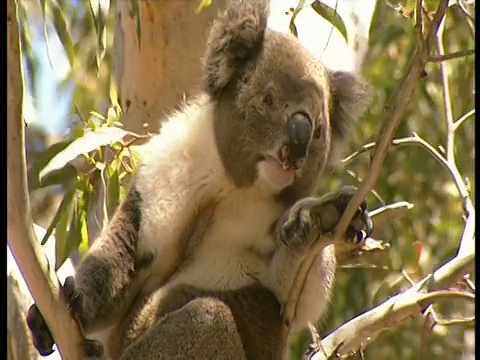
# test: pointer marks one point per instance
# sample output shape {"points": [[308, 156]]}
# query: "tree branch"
{"points": [[38, 275], [393, 113], [363, 329]]}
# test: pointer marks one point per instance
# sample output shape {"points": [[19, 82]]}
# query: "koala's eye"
{"points": [[268, 99]]}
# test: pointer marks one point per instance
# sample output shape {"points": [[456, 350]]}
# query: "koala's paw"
{"points": [[43, 340], [73, 298], [310, 217], [41, 336], [93, 349]]}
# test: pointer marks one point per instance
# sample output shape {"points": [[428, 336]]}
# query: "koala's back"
{"points": [[185, 322]]}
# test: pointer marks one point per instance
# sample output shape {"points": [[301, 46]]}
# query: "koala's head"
{"points": [[278, 111]]}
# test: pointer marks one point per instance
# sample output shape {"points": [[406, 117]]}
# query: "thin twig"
{"points": [[39, 276], [450, 56], [374, 192], [462, 119], [469, 282], [415, 140], [447, 101], [449, 322]]}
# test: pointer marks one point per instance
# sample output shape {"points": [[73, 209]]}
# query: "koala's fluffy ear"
{"points": [[235, 37], [350, 98]]}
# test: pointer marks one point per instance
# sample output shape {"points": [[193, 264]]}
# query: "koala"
{"points": [[220, 212]]}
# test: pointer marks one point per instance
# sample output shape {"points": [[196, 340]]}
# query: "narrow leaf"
{"points": [[62, 246], [296, 11], [99, 10], [64, 205], [113, 198], [60, 176], [42, 160], [331, 15], [60, 24]]}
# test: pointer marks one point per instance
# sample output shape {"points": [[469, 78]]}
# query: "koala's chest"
{"points": [[237, 245]]}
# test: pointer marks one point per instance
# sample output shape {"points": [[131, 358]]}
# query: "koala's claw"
{"points": [[322, 215], [72, 297], [42, 337]]}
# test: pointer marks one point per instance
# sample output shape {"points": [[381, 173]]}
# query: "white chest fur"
{"points": [[181, 171]]}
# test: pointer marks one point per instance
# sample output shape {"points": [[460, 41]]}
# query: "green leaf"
{"points": [[60, 24], [42, 160], [136, 14], [296, 11], [82, 218], [78, 231], [63, 246], [331, 15], [64, 206], [63, 175], [99, 11], [203, 5], [91, 140], [113, 198]]}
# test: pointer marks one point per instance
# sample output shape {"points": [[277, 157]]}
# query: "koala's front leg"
{"points": [[105, 281], [309, 220]]}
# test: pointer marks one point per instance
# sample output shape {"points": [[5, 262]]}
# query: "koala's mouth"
{"points": [[288, 160]]}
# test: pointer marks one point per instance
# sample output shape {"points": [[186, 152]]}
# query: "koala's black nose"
{"points": [[299, 130]]}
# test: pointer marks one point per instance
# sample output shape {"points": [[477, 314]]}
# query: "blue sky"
{"points": [[51, 106]]}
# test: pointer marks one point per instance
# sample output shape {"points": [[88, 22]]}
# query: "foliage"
{"points": [[99, 152]]}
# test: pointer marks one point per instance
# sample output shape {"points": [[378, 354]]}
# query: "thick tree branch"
{"points": [[40, 278], [393, 113], [365, 328]]}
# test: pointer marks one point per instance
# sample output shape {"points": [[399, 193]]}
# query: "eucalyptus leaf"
{"points": [[61, 26], [332, 16], [65, 204], [90, 141]]}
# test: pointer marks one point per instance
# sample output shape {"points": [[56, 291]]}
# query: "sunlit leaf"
{"points": [[42, 160], [81, 215], [332, 16], [60, 176], [113, 198], [203, 5], [90, 141]]}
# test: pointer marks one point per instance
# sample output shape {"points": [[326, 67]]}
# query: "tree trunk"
{"points": [[154, 77]]}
